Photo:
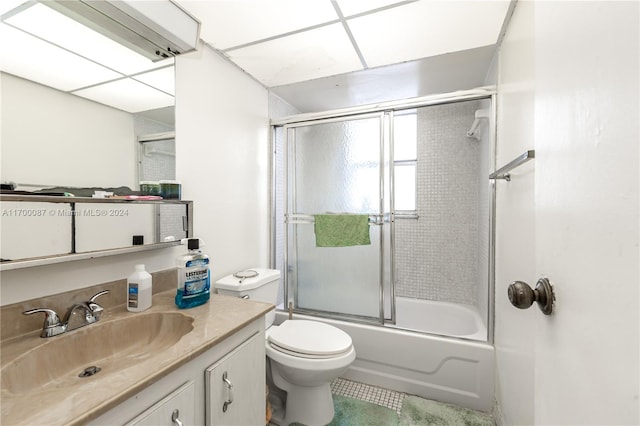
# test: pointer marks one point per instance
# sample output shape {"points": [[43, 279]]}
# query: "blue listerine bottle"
{"points": [[193, 276]]}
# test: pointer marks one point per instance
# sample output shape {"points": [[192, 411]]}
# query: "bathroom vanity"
{"points": [[204, 365]]}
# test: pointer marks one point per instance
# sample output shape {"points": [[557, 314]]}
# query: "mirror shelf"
{"points": [[41, 230]]}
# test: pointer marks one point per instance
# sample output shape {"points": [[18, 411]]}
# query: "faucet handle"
{"points": [[52, 325], [93, 306], [51, 318]]}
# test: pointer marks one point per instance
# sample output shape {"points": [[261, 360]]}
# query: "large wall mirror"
{"points": [[79, 117]]}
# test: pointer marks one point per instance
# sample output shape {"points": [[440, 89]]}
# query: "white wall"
{"points": [[587, 137], [51, 137], [30, 283], [570, 87], [515, 225], [222, 159]]}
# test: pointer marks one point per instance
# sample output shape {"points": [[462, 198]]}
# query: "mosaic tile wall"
{"points": [[437, 256]]}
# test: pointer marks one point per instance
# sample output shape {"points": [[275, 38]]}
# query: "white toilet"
{"points": [[303, 357]]}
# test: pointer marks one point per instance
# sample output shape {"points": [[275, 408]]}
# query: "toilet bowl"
{"points": [[303, 357]]}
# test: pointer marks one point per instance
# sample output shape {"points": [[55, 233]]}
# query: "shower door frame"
{"points": [[488, 92], [380, 217]]}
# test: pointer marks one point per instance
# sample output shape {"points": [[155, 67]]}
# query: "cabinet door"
{"points": [[235, 386], [162, 413]]}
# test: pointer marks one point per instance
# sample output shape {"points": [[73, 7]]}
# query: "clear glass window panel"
{"points": [[405, 137], [405, 187]]}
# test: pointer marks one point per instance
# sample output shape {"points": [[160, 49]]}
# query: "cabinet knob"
{"points": [[175, 418], [522, 296]]}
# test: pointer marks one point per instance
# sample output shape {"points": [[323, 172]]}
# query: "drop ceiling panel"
{"points": [[39, 61], [230, 23], [127, 95], [427, 28], [302, 56], [162, 79], [353, 7]]}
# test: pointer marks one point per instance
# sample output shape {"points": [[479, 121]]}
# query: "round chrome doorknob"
{"points": [[521, 295]]}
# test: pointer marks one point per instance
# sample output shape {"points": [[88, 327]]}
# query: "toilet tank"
{"points": [[262, 288]]}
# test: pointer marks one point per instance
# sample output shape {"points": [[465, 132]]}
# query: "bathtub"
{"points": [[446, 369], [447, 319]]}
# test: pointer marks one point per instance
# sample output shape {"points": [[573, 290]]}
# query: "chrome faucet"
{"points": [[53, 326]]}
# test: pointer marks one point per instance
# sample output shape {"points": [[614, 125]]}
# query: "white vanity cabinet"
{"points": [[235, 387], [177, 408], [194, 388]]}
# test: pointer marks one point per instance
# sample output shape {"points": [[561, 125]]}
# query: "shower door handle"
{"points": [[376, 219]]}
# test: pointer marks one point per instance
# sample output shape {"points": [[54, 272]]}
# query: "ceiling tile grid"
{"points": [[278, 42]]}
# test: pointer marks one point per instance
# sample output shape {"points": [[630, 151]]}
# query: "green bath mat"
{"points": [[418, 411], [353, 412]]}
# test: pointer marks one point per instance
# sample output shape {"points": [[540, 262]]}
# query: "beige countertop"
{"points": [[77, 400]]}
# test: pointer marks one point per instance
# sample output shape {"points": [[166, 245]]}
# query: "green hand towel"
{"points": [[342, 230]]}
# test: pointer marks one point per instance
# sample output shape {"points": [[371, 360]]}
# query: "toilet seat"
{"points": [[309, 339]]}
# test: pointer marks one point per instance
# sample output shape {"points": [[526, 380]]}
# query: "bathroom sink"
{"points": [[111, 346]]}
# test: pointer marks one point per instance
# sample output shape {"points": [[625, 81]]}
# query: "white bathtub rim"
{"points": [[376, 369], [468, 310], [387, 327]]}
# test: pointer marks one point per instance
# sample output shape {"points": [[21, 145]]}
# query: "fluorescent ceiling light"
{"points": [[47, 24], [128, 95], [52, 49], [31, 58], [156, 29]]}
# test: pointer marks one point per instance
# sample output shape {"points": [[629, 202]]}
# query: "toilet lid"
{"points": [[309, 338]]}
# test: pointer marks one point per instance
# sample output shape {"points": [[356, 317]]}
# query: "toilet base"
{"points": [[309, 405]]}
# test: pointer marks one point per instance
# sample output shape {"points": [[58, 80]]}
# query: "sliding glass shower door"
{"points": [[336, 166]]}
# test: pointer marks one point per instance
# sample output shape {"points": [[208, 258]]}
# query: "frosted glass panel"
{"points": [[344, 280], [335, 167]]}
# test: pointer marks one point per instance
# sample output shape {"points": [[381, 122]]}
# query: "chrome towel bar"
{"points": [[374, 219], [503, 172]]}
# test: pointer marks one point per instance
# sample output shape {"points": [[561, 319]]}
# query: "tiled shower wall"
{"points": [[438, 256]]}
